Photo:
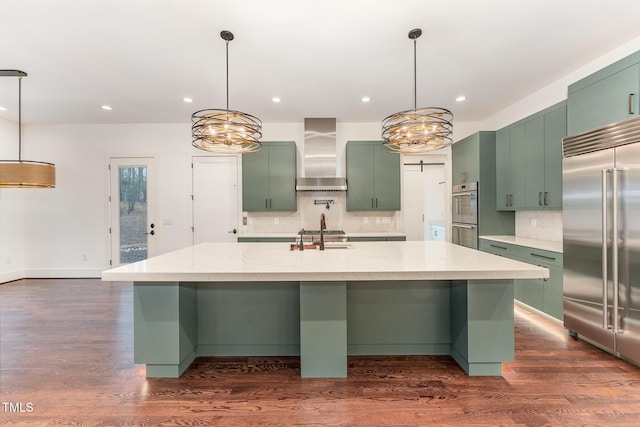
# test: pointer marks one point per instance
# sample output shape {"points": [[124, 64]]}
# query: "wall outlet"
{"points": [[386, 220], [366, 220], [276, 221], [533, 222], [244, 220]]}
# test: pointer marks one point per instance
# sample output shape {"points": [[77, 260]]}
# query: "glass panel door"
{"points": [[133, 229]]}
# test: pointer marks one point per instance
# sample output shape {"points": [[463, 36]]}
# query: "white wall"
{"points": [[12, 224]]}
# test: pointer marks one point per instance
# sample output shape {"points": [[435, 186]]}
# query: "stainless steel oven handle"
{"points": [[470, 227], [605, 278], [465, 193]]}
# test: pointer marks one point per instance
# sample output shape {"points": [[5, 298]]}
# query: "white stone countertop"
{"points": [[545, 245], [264, 262]]}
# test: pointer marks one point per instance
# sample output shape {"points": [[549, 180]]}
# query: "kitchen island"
{"points": [[241, 299]]}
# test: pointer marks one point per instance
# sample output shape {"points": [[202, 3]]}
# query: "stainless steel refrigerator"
{"points": [[601, 233]]}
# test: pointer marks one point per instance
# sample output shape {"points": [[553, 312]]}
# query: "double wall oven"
{"points": [[464, 217]]}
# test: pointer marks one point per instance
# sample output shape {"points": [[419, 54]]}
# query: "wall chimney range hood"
{"points": [[320, 157]]}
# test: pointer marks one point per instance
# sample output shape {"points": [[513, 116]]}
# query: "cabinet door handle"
{"points": [[540, 198], [269, 203], [499, 247], [506, 200], [546, 194], [266, 203], [630, 103], [543, 256], [376, 202]]}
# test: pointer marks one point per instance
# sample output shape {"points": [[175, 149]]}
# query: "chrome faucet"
{"points": [[301, 246], [323, 226]]}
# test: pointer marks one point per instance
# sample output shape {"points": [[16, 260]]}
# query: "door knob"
{"points": [[152, 232], [234, 231]]}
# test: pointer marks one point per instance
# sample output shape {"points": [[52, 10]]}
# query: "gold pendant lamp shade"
{"points": [[226, 131], [24, 173], [421, 129]]}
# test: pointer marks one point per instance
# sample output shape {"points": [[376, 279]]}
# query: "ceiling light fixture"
{"points": [[24, 173], [106, 107], [417, 130], [365, 99], [461, 98], [226, 131], [187, 100], [276, 99]]}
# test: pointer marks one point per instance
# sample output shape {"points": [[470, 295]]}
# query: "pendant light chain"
{"points": [[19, 118], [227, 47], [415, 76]]}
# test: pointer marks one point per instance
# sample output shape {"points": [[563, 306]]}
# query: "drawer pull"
{"points": [[630, 104], [543, 256], [499, 247]]}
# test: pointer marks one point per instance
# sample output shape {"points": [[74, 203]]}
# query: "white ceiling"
{"points": [[320, 56]]}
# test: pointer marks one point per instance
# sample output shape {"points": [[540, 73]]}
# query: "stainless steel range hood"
{"points": [[320, 158]]}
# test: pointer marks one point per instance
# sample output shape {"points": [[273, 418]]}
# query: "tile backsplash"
{"points": [[311, 205], [544, 225]]}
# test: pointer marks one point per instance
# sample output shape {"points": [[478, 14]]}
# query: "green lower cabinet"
{"points": [[542, 294], [553, 293], [518, 289], [533, 293]]}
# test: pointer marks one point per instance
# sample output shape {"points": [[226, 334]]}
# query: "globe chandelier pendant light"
{"points": [[226, 131], [421, 129], [24, 173]]}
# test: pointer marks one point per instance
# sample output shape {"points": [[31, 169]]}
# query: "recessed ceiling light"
{"points": [[461, 98], [187, 100], [276, 99], [3, 108], [365, 99], [106, 107]]}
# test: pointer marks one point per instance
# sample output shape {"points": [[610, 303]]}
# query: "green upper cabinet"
{"points": [[465, 163], [269, 178], [503, 170], [373, 177], [510, 162], [605, 97], [534, 168], [529, 161], [555, 128]]}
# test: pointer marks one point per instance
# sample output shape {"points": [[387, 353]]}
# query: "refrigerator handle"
{"points": [[605, 279], [614, 246]]}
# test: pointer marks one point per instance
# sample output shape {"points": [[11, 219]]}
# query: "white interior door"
{"points": [[215, 199], [424, 199], [133, 230]]}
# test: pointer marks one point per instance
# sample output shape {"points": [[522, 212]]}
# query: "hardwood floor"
{"points": [[67, 359]]}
